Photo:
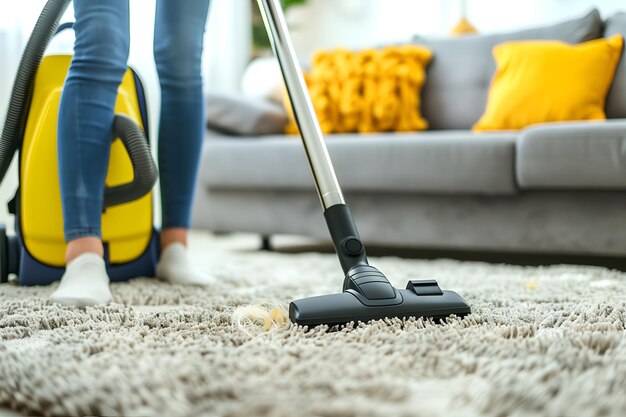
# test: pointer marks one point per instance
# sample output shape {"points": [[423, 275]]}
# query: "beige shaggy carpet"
{"points": [[541, 341]]}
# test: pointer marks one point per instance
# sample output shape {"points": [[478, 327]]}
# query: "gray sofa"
{"points": [[552, 188]]}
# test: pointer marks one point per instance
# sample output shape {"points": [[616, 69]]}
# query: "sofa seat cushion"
{"points": [[424, 162], [577, 155]]}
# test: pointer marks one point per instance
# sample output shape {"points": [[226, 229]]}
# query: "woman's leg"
{"points": [[84, 141], [178, 41]]}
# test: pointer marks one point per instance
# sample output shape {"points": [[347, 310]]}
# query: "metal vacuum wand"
{"points": [[350, 250], [312, 138]]}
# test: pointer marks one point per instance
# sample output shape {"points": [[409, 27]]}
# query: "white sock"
{"points": [[175, 267], [84, 283]]}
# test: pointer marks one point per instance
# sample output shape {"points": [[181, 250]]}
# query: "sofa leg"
{"points": [[266, 242]]}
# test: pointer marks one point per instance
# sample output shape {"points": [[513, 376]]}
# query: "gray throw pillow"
{"points": [[616, 100], [458, 77], [237, 114]]}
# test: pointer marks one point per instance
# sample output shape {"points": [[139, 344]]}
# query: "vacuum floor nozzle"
{"points": [[419, 299]]}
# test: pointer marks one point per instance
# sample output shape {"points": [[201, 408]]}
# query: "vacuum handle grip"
{"points": [[144, 168], [321, 165]]}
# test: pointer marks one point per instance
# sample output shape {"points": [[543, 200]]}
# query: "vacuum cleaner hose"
{"points": [[144, 168], [22, 91]]}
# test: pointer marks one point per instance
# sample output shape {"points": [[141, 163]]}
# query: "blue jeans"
{"points": [[88, 100]]}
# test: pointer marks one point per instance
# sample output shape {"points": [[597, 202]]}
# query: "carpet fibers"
{"points": [[541, 341]]}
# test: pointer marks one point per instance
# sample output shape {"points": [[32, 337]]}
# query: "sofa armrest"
{"points": [[577, 155], [236, 114]]}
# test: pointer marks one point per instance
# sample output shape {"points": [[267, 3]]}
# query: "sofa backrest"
{"points": [[616, 100], [455, 93]]}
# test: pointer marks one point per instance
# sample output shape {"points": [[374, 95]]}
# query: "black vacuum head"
{"points": [[368, 295]]}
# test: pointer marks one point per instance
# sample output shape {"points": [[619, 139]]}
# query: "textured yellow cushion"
{"points": [[367, 91], [549, 81]]}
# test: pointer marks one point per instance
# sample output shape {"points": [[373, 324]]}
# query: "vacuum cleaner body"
{"points": [[127, 229], [36, 254]]}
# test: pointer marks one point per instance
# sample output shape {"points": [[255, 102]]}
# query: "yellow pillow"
{"points": [[549, 81], [372, 90]]}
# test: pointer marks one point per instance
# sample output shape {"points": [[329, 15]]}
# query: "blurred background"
{"points": [[236, 51]]}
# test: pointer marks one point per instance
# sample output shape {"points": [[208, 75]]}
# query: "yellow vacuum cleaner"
{"points": [[36, 253]]}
